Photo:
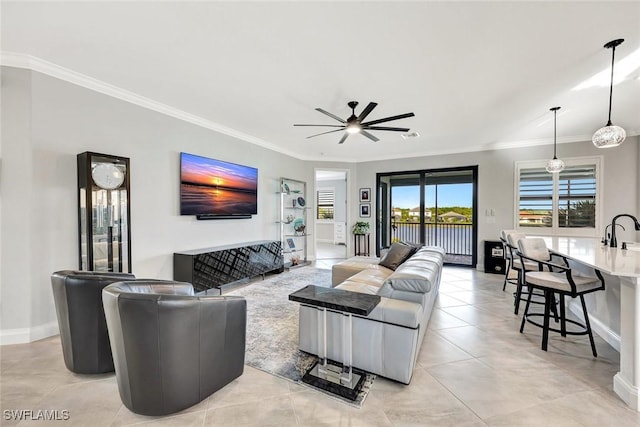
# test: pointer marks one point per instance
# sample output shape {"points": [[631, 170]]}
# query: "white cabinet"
{"points": [[339, 233], [293, 221]]}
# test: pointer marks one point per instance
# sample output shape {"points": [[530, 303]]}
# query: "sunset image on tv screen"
{"points": [[214, 187]]}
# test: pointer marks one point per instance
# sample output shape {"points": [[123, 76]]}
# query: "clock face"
{"points": [[107, 176]]}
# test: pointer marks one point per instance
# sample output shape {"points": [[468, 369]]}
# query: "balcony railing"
{"points": [[455, 238]]}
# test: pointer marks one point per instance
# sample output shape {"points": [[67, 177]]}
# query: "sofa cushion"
{"points": [[347, 268], [418, 274], [397, 254], [413, 278], [432, 250], [371, 276], [360, 287], [412, 244], [397, 312]]}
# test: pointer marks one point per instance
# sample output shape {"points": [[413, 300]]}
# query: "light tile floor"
{"points": [[329, 251], [474, 369]]}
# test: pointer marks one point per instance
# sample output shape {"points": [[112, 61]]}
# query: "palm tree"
{"points": [[579, 214]]}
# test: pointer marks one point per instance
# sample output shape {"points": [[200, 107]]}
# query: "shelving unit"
{"points": [[294, 207]]}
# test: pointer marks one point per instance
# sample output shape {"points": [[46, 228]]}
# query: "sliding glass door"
{"points": [[432, 207]]}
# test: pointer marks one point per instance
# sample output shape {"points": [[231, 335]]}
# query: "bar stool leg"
{"points": [[526, 312], [516, 301], [506, 276], [588, 326], [563, 317], [547, 314], [554, 311]]}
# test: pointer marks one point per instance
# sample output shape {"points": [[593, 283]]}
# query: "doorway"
{"points": [[330, 214], [433, 207]]}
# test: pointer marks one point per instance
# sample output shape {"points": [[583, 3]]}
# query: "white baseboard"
{"points": [[27, 335], [627, 392], [597, 326]]}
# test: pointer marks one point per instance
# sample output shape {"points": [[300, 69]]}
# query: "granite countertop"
{"points": [[336, 299]]}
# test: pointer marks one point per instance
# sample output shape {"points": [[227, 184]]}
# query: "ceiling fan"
{"points": [[355, 124]]}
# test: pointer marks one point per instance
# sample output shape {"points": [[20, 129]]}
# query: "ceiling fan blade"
{"points": [[387, 128], [369, 108], [388, 119], [323, 133], [329, 126], [368, 135], [344, 138], [333, 116]]}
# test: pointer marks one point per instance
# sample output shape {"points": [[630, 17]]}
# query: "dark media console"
{"points": [[218, 268]]}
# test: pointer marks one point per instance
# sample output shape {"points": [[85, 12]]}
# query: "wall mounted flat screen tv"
{"points": [[214, 187]]}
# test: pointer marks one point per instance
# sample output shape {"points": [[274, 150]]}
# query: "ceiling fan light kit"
{"points": [[610, 135], [355, 124]]}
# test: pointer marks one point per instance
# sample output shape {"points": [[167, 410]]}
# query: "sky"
{"points": [[448, 195], [203, 170]]}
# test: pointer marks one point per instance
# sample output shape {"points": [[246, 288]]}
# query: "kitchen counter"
{"points": [[591, 252], [626, 265]]}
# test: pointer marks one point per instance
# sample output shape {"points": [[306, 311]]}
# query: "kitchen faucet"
{"points": [[605, 238], [614, 241]]}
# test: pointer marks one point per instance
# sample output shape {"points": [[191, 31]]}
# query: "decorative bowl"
{"points": [[299, 225]]}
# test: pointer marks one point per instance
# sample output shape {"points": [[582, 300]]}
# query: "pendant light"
{"points": [[610, 135], [554, 165]]}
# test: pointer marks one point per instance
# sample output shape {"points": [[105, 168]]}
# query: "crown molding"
{"points": [[29, 62], [480, 147]]}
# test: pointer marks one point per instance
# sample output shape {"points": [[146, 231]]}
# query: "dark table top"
{"points": [[336, 299]]}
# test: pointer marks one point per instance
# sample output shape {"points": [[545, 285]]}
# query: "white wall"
{"points": [[16, 189], [45, 124]]}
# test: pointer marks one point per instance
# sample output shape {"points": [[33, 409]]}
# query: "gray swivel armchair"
{"points": [[83, 330], [172, 348]]}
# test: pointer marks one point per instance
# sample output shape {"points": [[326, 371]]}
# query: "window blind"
{"points": [[325, 204], [536, 198], [565, 200], [577, 197]]}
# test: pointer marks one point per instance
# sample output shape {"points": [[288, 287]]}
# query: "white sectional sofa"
{"points": [[387, 341]]}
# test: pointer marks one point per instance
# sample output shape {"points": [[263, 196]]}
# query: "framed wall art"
{"points": [[365, 210], [365, 194]]}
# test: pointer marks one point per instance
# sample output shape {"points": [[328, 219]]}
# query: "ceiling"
{"points": [[477, 75]]}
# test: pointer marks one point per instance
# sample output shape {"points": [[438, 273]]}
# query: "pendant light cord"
{"points": [[555, 112], [613, 55]]}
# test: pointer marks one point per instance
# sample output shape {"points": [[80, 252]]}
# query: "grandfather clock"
{"points": [[104, 212]]}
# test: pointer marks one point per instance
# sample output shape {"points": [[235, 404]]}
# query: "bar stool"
{"points": [[517, 265], [559, 280], [507, 250]]}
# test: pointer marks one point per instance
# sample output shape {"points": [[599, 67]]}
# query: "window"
{"points": [[325, 203], [566, 203]]}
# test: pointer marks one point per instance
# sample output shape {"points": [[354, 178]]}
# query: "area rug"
{"points": [[272, 327]]}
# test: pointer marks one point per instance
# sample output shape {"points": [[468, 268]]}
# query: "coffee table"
{"points": [[340, 379]]}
